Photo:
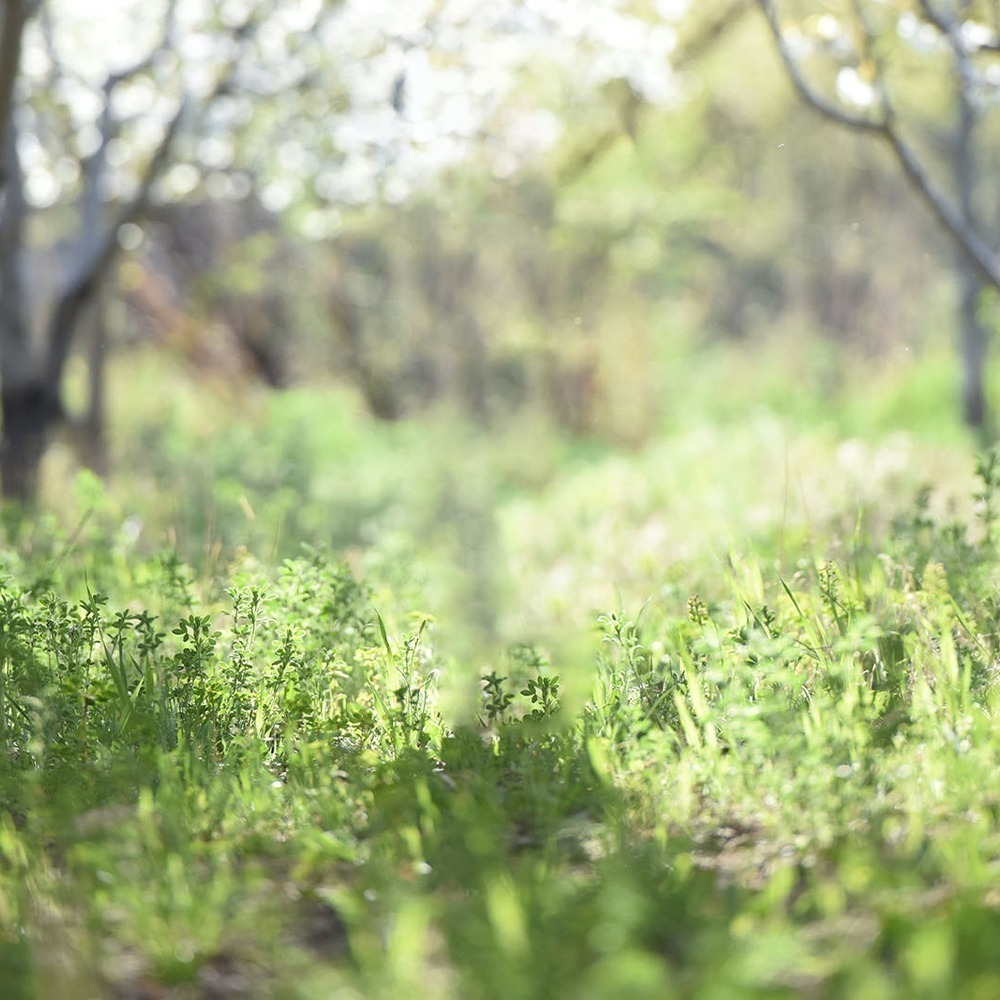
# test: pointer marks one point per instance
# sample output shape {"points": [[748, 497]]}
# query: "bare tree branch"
{"points": [[952, 31], [95, 264], [951, 28], [978, 250], [56, 74], [944, 209], [809, 93], [98, 252]]}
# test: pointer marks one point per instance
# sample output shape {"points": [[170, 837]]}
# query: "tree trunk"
{"points": [[29, 414], [86, 433], [974, 347], [973, 333], [94, 454], [25, 403], [14, 16]]}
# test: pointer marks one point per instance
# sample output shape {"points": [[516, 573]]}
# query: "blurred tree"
{"points": [[319, 105], [85, 138], [921, 77]]}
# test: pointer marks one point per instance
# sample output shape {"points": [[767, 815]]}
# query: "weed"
{"points": [[774, 790]]}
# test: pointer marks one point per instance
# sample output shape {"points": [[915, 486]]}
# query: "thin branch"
{"points": [[96, 264], [99, 253], [962, 231], [56, 75], [977, 249], [952, 31], [92, 169], [805, 90], [951, 28], [93, 166]]}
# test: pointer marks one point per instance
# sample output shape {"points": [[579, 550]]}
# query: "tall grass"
{"points": [[759, 774]]}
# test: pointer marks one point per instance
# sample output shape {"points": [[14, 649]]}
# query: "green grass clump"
{"points": [[778, 786]]}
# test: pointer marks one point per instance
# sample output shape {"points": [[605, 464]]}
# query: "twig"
{"points": [[886, 127]]}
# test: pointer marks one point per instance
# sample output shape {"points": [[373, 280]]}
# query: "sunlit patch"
{"points": [[852, 88]]}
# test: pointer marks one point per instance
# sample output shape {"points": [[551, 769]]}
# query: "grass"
{"points": [[714, 719]]}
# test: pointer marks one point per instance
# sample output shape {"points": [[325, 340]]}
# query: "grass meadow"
{"points": [[300, 706]]}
